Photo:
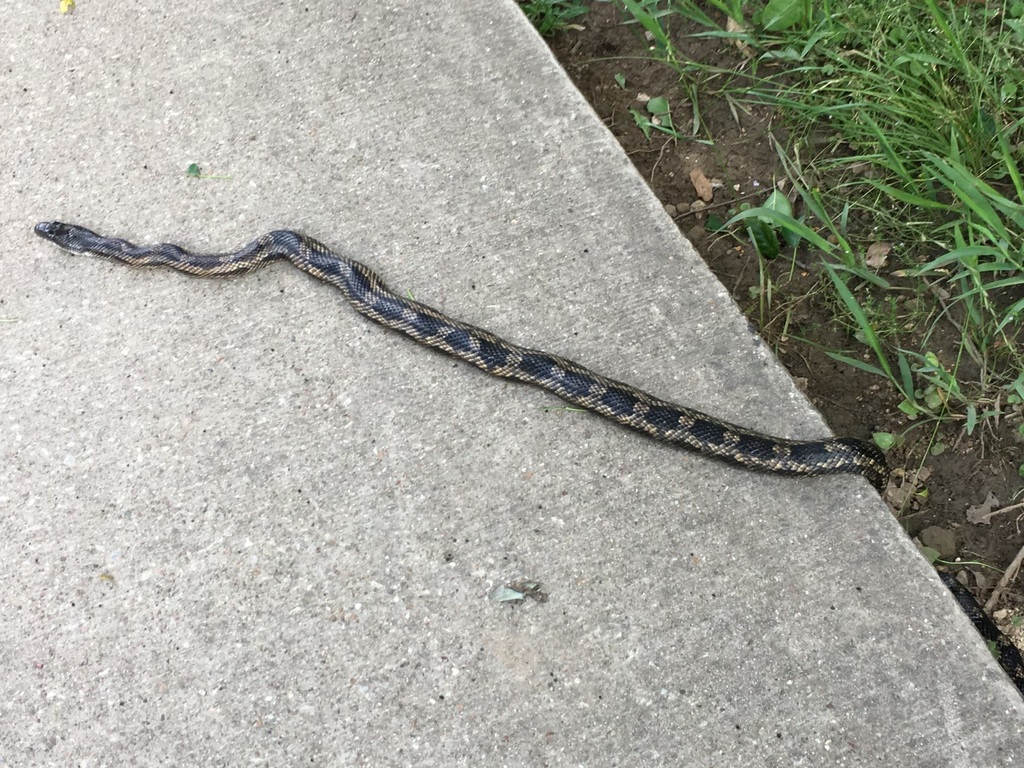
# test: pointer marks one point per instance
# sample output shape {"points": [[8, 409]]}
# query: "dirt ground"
{"points": [[932, 495]]}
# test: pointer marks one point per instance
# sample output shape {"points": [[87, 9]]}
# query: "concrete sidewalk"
{"points": [[244, 526]]}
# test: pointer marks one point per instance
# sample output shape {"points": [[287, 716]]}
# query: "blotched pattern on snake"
{"points": [[623, 403]]}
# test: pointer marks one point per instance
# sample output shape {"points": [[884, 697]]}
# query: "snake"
{"points": [[579, 386], [1005, 652], [677, 425]]}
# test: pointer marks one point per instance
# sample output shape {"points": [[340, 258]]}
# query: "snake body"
{"points": [[1003, 649], [620, 402]]}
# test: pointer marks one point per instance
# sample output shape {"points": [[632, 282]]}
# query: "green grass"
{"points": [[551, 16], [905, 125]]}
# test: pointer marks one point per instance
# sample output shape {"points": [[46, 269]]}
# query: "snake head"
{"points": [[67, 236]]}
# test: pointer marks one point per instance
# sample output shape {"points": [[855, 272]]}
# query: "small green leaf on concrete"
{"points": [[504, 594]]}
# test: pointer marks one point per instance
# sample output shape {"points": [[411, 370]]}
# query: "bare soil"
{"points": [[930, 494]]}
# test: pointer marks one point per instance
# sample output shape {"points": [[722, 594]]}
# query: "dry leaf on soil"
{"points": [[701, 185], [981, 514]]}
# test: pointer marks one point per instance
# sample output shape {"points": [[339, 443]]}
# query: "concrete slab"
{"points": [[245, 526]]}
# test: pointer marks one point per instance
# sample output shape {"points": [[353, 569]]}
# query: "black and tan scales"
{"points": [[1005, 652], [629, 406]]}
